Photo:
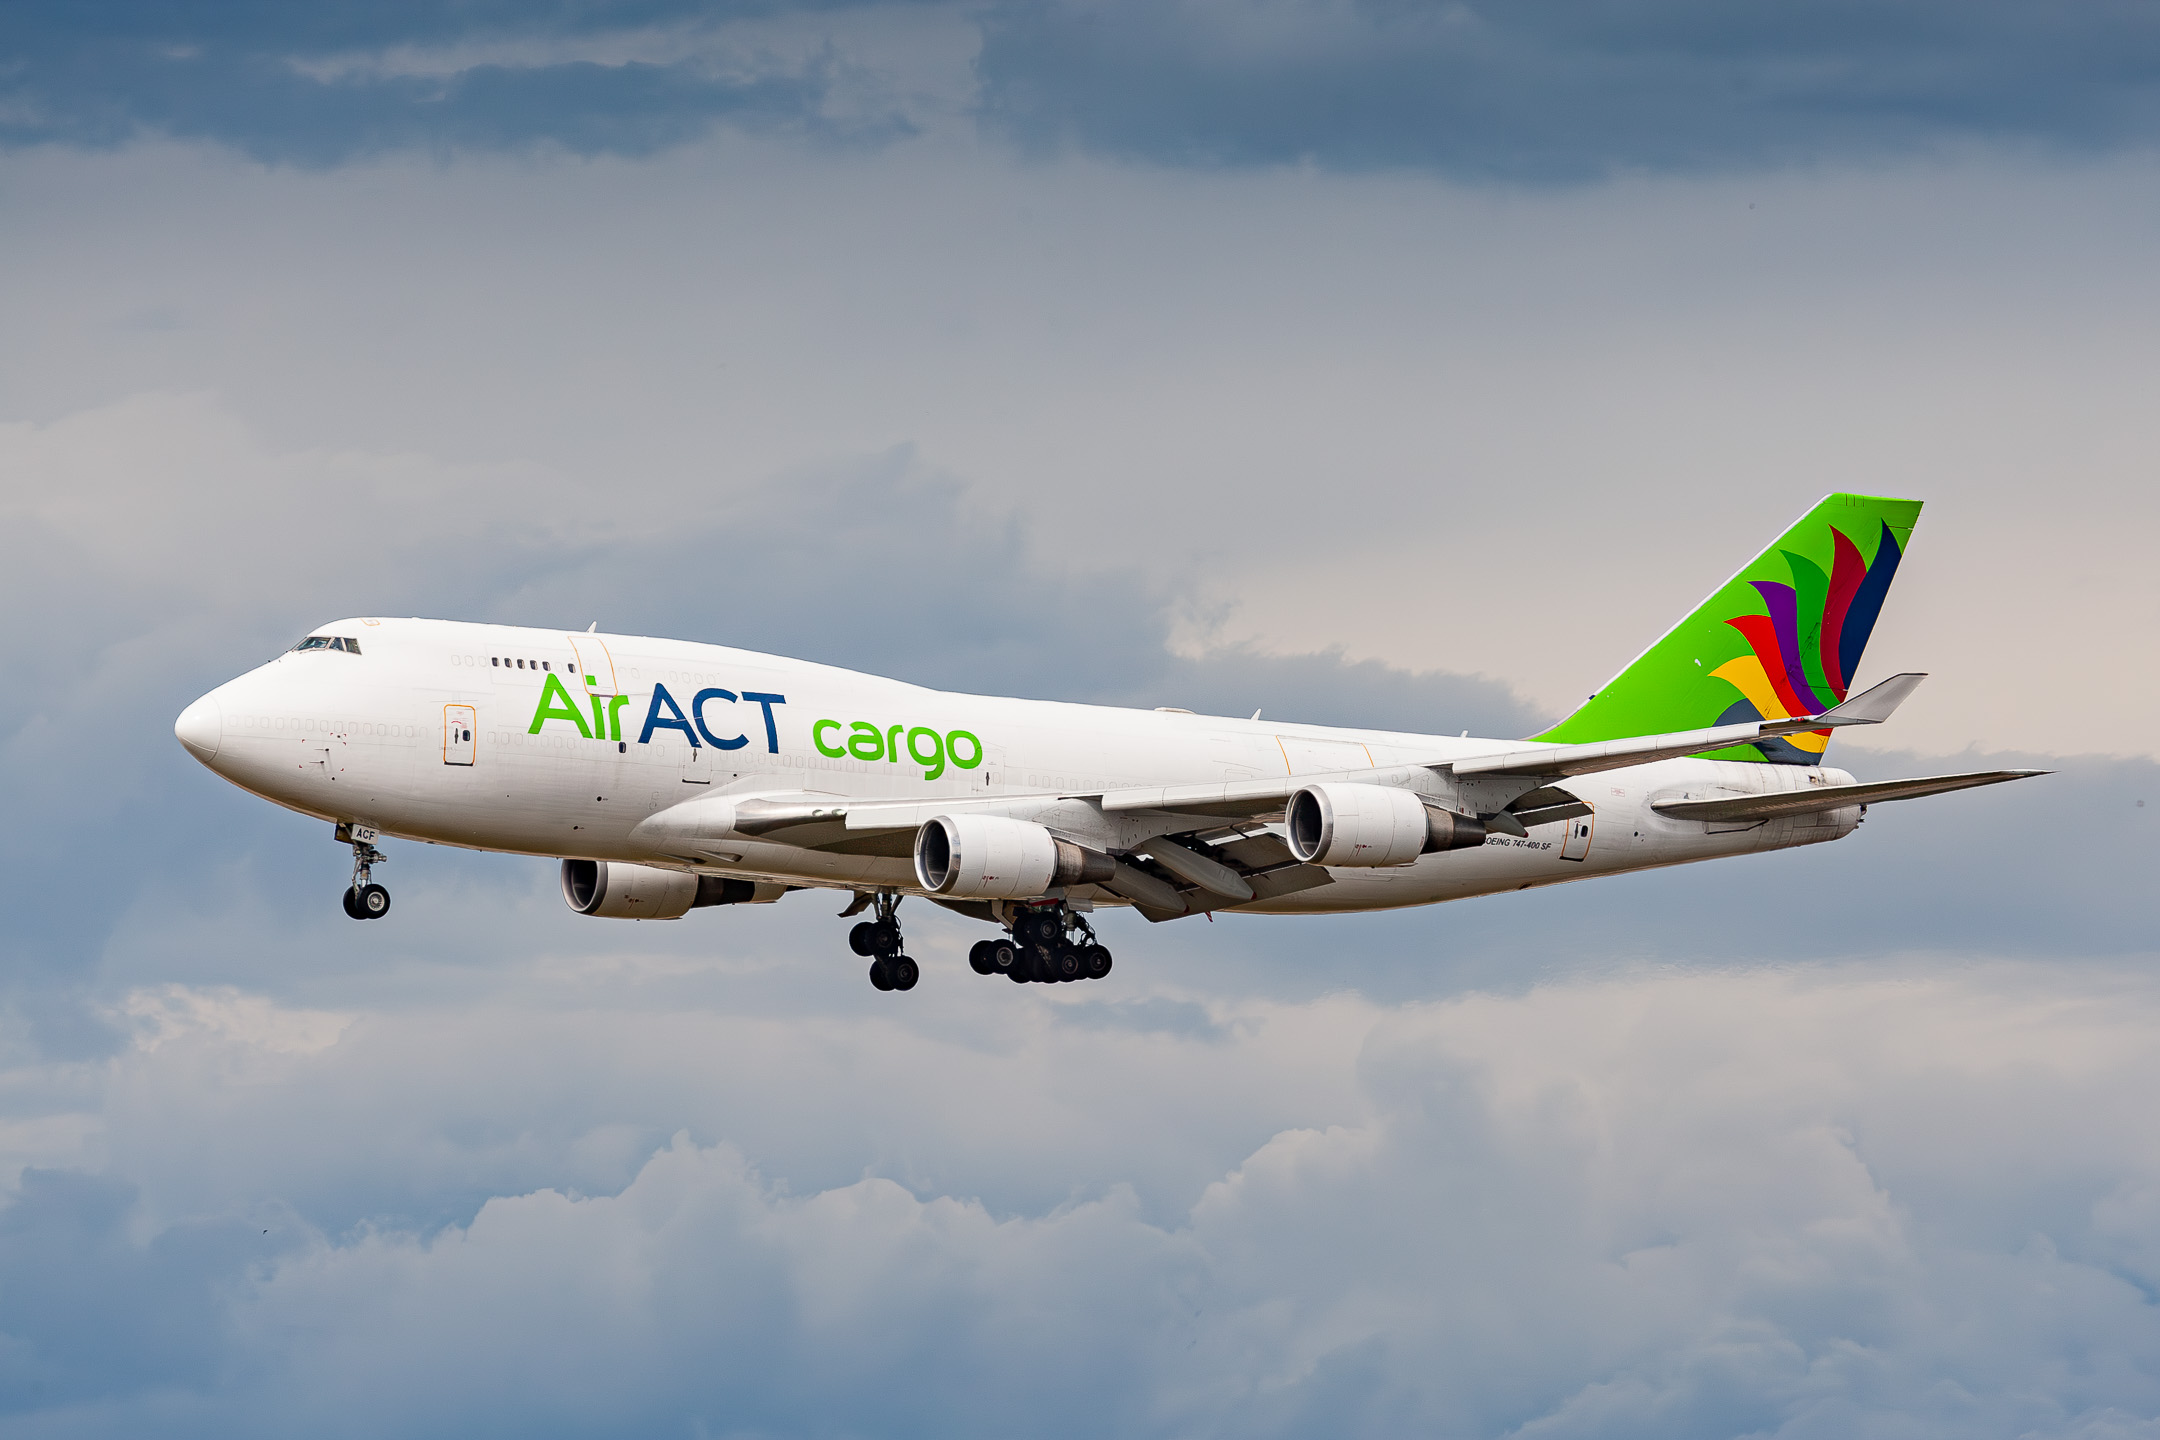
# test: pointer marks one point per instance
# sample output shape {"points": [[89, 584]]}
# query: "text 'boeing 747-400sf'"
{"points": [[674, 775]]}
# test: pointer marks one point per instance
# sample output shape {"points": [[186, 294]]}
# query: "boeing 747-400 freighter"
{"points": [[669, 775]]}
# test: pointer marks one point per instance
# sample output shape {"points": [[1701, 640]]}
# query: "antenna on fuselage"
{"points": [[589, 629]]}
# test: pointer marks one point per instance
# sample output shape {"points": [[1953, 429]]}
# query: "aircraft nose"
{"points": [[201, 727]]}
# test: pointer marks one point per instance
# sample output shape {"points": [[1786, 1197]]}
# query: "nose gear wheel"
{"points": [[364, 899]]}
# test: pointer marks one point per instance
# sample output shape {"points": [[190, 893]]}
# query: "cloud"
{"points": [[1644, 1204], [1561, 90], [1553, 91], [344, 82]]}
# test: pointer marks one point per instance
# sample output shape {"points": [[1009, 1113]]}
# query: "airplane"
{"points": [[669, 775]]}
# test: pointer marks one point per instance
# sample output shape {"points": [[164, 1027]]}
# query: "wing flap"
{"points": [[1831, 797]]}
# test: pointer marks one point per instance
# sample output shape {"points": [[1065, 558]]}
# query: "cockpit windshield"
{"points": [[330, 642]]}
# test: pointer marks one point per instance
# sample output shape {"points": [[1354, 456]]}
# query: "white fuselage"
{"points": [[377, 738]]}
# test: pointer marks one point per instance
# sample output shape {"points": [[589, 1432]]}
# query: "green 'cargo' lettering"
{"points": [[931, 749]]}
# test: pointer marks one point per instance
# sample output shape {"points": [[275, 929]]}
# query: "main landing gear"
{"points": [[1050, 944], [364, 899], [880, 939]]}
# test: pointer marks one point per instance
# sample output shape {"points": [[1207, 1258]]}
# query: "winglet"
{"points": [[1873, 705]]}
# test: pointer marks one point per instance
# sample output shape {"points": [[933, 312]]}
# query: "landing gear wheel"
{"points": [[1067, 960], [364, 899], [979, 958], [879, 938], [1002, 956], [1094, 962], [1041, 966]]}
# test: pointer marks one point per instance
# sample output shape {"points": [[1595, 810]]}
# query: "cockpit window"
{"points": [[330, 642]]}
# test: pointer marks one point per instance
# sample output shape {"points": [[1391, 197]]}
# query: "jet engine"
{"points": [[991, 857], [1370, 825], [616, 890]]}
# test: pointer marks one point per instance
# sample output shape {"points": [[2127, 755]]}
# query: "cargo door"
{"points": [[594, 659], [595, 686], [1575, 845], [459, 722], [1303, 756]]}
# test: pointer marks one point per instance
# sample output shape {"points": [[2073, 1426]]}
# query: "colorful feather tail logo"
{"points": [[1799, 668]]}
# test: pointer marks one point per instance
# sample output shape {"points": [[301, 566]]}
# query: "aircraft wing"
{"points": [[1831, 797], [825, 821]]}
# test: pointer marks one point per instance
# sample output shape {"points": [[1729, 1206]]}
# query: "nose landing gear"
{"points": [[880, 939], [364, 899]]}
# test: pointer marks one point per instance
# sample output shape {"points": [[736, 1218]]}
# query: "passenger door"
{"points": [[459, 723]]}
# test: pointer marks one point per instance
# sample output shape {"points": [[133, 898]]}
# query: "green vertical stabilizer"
{"points": [[1780, 640]]}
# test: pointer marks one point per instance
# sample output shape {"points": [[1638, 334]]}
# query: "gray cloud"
{"points": [[278, 1171], [1552, 91], [1561, 90], [1642, 1204], [338, 83]]}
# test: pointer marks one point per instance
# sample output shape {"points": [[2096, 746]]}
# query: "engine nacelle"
{"points": [[1372, 825], [616, 890], [991, 857]]}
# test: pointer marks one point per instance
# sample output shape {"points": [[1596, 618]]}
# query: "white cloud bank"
{"points": [[1806, 1203]]}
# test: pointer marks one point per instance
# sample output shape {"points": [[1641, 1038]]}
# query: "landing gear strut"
{"points": [[880, 939], [1050, 944], [364, 899]]}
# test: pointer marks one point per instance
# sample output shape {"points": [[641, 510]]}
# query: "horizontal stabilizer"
{"points": [[1870, 707], [1831, 797], [1875, 704]]}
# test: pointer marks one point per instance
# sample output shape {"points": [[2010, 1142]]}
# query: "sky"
{"points": [[1373, 363]]}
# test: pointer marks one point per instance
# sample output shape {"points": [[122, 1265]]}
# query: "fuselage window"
{"points": [[544, 665], [521, 664], [494, 659]]}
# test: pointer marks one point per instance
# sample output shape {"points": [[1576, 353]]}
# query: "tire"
{"points": [[373, 902], [1067, 960], [885, 938], [1017, 972], [863, 939], [352, 903], [979, 958], [1094, 962], [879, 975], [904, 972], [1003, 956]]}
